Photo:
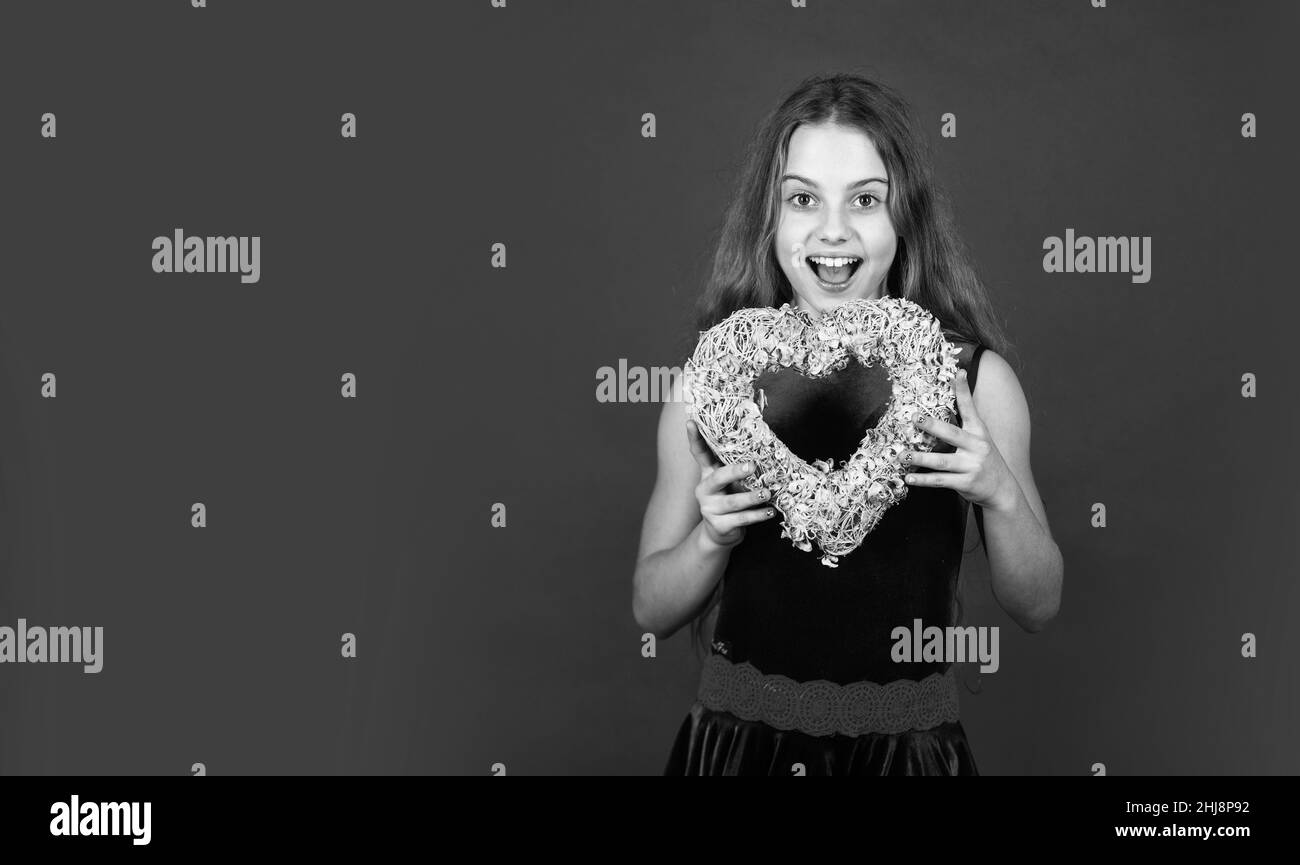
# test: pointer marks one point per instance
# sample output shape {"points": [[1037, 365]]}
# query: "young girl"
{"points": [[837, 203]]}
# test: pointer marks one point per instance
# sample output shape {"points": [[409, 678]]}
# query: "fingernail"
{"points": [[749, 467]]}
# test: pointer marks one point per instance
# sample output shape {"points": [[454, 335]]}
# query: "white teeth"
{"points": [[830, 262]]}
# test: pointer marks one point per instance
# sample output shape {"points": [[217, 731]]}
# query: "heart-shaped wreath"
{"points": [[836, 508]]}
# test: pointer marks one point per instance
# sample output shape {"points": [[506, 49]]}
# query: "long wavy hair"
{"points": [[931, 266]]}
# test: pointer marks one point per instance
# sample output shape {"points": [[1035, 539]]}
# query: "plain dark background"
{"points": [[522, 126]]}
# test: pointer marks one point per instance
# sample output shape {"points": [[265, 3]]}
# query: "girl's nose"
{"points": [[833, 228]]}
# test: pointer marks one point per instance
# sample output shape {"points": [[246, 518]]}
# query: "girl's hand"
{"points": [[976, 470], [725, 506]]}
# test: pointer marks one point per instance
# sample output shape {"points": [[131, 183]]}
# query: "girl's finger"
{"points": [[699, 448], [719, 478], [743, 501], [947, 432], [743, 518], [944, 462], [965, 402]]}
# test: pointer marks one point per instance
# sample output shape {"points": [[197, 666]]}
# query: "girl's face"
{"points": [[833, 198]]}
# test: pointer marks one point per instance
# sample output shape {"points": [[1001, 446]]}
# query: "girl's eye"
{"points": [[799, 195]]}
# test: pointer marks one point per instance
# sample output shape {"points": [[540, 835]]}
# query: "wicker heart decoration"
{"points": [[835, 507]]}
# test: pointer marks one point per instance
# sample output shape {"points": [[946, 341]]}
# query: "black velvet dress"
{"points": [[789, 629]]}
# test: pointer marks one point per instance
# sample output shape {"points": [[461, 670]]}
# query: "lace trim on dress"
{"points": [[822, 708]]}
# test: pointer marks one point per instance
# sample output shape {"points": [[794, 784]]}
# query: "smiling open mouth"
{"points": [[834, 269]]}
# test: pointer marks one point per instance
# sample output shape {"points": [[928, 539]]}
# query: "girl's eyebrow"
{"points": [[808, 182]]}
